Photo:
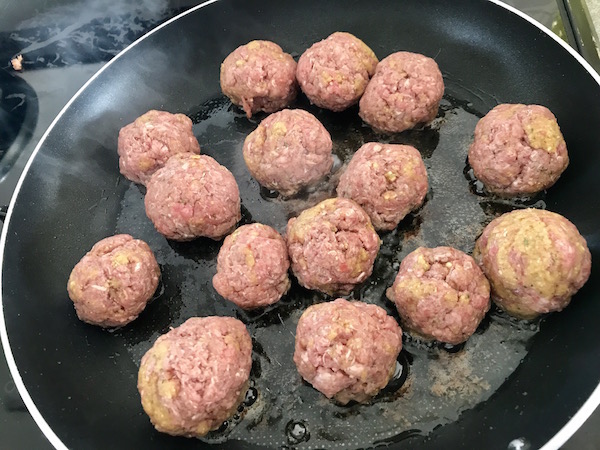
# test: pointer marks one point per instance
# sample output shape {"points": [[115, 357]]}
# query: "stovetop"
{"points": [[64, 42]]}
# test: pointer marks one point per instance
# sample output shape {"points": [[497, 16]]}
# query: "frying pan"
{"points": [[512, 380]]}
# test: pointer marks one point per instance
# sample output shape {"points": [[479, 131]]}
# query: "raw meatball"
{"points": [[518, 150], [259, 76], [440, 294], [334, 72], [145, 145], [252, 267], [387, 180], [405, 91], [332, 246], [114, 281], [195, 376], [535, 261], [193, 196], [347, 350], [289, 150]]}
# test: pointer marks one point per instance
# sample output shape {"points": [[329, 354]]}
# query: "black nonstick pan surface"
{"points": [[512, 383]]}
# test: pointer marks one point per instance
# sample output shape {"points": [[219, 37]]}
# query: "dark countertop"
{"points": [[64, 42]]}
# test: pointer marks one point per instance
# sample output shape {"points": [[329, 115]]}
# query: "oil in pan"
{"points": [[432, 384]]}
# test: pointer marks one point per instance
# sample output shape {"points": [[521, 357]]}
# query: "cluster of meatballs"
{"points": [[529, 262]]}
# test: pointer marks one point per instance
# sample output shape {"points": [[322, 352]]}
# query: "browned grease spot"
{"points": [[454, 376]]}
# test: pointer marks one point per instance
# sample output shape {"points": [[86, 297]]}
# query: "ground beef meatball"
{"points": [[289, 150], [252, 267], [259, 76], [334, 72], [405, 91], [535, 261], [518, 150], [387, 180], [193, 196], [114, 281], [332, 246], [145, 145], [440, 294], [195, 376], [347, 350]]}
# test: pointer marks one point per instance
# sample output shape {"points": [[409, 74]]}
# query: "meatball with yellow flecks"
{"points": [[404, 92], [441, 294], [252, 267], [193, 196], [145, 145], [334, 72], [288, 151], [535, 261], [195, 376], [347, 350], [259, 76], [114, 281], [387, 180], [518, 150], [332, 246]]}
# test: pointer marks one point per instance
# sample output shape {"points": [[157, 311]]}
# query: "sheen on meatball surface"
{"points": [[332, 246], [193, 196], [289, 150], [145, 145], [252, 267], [111, 285], [441, 294], [334, 72], [518, 150], [405, 91], [535, 261], [259, 76], [347, 350], [387, 180], [195, 376]]}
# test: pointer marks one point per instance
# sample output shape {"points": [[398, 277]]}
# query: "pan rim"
{"points": [[14, 371], [555, 442], [590, 405]]}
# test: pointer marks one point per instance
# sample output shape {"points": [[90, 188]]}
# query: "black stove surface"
{"points": [[18, 118], [64, 42]]}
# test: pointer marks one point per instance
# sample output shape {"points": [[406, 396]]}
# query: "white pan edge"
{"points": [[553, 444], [586, 410], [14, 371]]}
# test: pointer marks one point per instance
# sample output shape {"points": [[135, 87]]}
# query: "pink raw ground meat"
{"points": [[518, 150], [114, 281], [387, 180], [259, 76], [146, 144], [289, 150], [405, 91], [332, 246], [535, 261], [440, 294], [334, 72], [252, 267], [195, 376], [193, 196], [347, 350]]}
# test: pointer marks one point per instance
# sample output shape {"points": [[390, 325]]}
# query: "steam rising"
{"points": [[91, 32]]}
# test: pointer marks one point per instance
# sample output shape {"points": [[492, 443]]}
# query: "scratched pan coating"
{"points": [[507, 380]]}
